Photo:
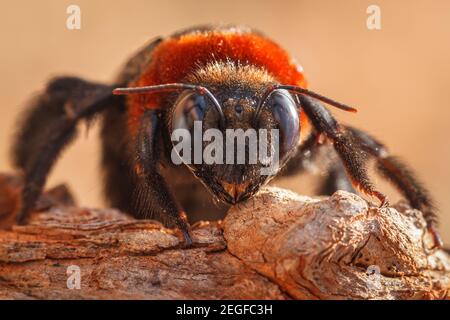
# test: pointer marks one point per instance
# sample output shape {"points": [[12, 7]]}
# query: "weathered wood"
{"points": [[279, 245]]}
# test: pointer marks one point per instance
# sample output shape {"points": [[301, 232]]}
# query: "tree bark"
{"points": [[278, 245]]}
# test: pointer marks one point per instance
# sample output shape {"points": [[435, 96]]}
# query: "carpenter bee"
{"points": [[228, 77]]}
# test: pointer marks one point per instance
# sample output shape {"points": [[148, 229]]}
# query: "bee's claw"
{"points": [[187, 239], [384, 201]]}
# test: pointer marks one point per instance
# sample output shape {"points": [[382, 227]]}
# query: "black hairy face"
{"points": [[234, 158]]}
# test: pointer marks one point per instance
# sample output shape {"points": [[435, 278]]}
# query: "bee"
{"points": [[227, 77]]}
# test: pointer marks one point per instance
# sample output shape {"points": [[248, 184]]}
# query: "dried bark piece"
{"points": [[337, 247], [278, 245]]}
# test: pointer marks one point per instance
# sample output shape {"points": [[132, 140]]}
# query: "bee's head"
{"points": [[231, 148]]}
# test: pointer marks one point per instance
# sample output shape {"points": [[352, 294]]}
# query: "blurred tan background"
{"points": [[398, 76]]}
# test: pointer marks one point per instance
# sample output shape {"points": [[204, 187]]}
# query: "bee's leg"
{"points": [[308, 154], [403, 178], [49, 125], [303, 155], [336, 179], [354, 147], [152, 193], [348, 148]]}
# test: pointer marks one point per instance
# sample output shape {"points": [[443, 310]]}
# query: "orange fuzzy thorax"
{"points": [[175, 58]]}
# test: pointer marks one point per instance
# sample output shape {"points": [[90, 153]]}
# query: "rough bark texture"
{"points": [[279, 245]]}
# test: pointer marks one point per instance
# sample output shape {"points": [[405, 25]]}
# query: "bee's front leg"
{"points": [[152, 195]]}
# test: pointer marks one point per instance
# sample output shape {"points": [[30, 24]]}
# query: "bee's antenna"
{"points": [[303, 91], [173, 87]]}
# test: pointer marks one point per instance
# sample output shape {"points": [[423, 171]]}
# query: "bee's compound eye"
{"points": [[285, 113], [189, 108]]}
